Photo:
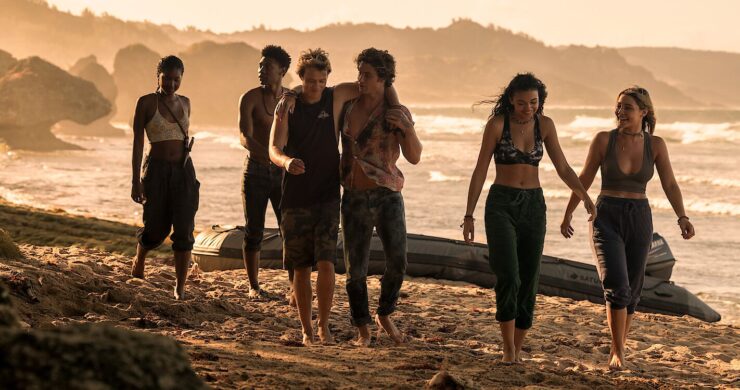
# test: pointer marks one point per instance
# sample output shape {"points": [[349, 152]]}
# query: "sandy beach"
{"points": [[236, 342]]}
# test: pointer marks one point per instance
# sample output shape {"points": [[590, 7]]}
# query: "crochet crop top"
{"points": [[160, 129]]}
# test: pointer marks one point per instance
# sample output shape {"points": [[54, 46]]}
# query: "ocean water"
{"points": [[704, 148]]}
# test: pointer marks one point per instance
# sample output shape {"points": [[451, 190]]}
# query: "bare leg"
{"points": [[182, 262], [325, 293], [252, 265], [363, 336], [137, 270], [627, 327], [291, 293], [302, 291], [519, 335], [385, 323], [507, 336], [617, 319]]}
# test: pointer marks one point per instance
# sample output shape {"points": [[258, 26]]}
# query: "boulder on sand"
{"points": [[88, 68], [88, 356], [35, 95]]}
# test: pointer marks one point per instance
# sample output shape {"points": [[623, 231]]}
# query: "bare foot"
{"points": [[325, 335], [137, 270], [510, 356], [291, 298], [179, 293], [255, 293], [363, 337], [385, 323], [308, 339], [616, 361]]}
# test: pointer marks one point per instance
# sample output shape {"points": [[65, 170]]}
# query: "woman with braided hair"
{"points": [[623, 229], [168, 189]]}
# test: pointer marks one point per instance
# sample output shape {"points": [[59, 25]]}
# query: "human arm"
{"points": [[246, 129], [670, 187], [565, 172], [587, 176], [286, 104], [278, 140], [491, 134], [344, 92], [137, 187], [410, 144]]}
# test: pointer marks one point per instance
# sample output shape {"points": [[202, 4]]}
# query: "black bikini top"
{"points": [[506, 153]]}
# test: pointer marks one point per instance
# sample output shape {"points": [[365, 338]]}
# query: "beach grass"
{"points": [[28, 225]]}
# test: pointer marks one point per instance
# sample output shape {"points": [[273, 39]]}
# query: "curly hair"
{"points": [[521, 82], [383, 63], [278, 54], [642, 97], [314, 58], [169, 63]]}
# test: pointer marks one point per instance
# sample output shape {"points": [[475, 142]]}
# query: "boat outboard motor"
{"points": [[660, 260]]}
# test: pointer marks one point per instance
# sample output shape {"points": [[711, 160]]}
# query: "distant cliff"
{"points": [[33, 28], [458, 64], [708, 76]]}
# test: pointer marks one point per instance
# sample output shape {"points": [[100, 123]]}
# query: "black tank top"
{"points": [[312, 138], [612, 177], [506, 153]]}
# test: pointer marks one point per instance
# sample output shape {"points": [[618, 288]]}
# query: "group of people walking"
{"points": [[293, 139]]}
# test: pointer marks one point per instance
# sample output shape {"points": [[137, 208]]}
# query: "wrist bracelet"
{"points": [[469, 216], [678, 221]]}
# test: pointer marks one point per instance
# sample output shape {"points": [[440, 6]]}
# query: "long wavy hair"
{"points": [[642, 97], [521, 82]]}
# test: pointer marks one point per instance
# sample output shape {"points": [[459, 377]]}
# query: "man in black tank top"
{"points": [[305, 145]]}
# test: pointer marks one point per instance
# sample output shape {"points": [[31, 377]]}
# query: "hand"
{"points": [[468, 230], [687, 229], [295, 166], [137, 192], [398, 118], [285, 105], [590, 208], [565, 227]]}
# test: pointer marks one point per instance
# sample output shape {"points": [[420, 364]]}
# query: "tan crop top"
{"points": [[160, 129]]}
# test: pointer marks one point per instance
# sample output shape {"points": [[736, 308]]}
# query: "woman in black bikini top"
{"points": [[515, 136]]}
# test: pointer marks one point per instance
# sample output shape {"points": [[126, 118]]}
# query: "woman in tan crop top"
{"points": [[168, 189], [623, 228]]}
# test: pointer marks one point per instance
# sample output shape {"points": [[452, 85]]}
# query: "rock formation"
{"points": [[6, 61], [135, 74], [35, 94], [89, 69], [216, 75]]}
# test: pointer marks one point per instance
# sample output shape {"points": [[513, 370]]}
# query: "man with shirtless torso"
{"points": [[262, 179]]}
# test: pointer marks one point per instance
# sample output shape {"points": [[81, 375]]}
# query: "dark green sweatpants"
{"points": [[515, 228]]}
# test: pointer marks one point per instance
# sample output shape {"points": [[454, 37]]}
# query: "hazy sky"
{"points": [[707, 24]]}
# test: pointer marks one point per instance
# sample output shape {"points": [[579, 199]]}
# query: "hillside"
{"points": [[707, 76], [458, 64]]}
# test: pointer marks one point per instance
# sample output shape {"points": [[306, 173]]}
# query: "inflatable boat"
{"points": [[220, 248]]}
